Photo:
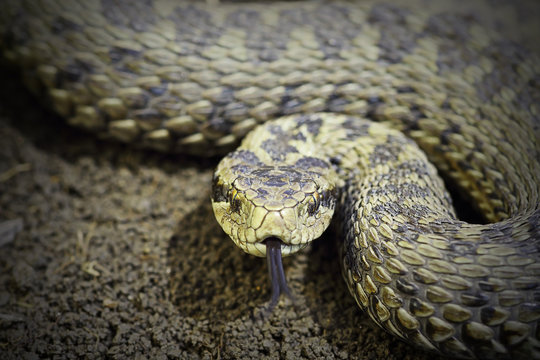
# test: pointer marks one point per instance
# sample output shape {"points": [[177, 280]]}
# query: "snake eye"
{"points": [[234, 201], [313, 204]]}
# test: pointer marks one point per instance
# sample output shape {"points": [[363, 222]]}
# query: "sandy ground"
{"points": [[106, 251]]}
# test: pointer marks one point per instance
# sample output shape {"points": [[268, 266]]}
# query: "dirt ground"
{"points": [[107, 251]]}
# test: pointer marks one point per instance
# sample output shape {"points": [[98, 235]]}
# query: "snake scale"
{"points": [[346, 81]]}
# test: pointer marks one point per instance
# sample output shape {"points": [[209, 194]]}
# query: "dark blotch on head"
{"points": [[277, 149], [276, 181], [246, 156], [275, 130], [310, 162], [219, 194]]}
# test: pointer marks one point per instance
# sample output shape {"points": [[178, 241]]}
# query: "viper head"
{"points": [[255, 202], [273, 211]]}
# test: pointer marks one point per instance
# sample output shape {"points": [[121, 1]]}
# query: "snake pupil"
{"points": [[313, 204], [234, 202]]}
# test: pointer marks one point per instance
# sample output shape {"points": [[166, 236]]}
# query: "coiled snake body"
{"points": [[196, 77]]}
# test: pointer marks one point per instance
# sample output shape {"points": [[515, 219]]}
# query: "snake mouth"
{"points": [[275, 270], [260, 248]]}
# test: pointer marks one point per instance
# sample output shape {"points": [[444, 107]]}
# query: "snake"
{"points": [[357, 111]]}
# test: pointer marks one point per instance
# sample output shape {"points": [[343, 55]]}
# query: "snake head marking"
{"points": [[255, 202]]}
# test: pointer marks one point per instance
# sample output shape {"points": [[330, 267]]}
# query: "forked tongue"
{"points": [[275, 269]]}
